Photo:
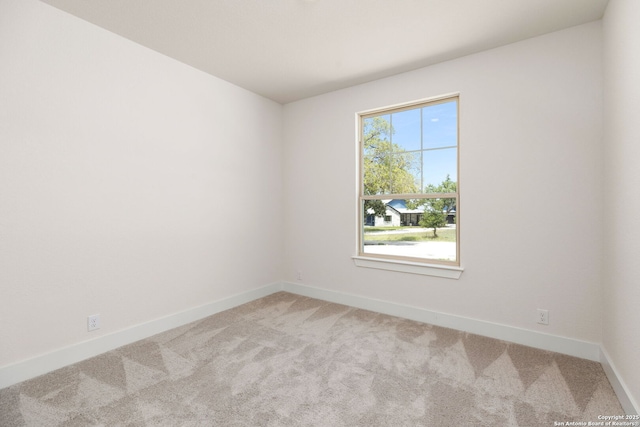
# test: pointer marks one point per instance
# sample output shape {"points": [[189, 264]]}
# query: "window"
{"points": [[408, 183]]}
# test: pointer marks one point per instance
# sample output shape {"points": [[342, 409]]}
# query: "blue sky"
{"points": [[439, 129]]}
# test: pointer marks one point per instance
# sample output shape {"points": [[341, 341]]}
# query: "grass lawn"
{"points": [[444, 235], [368, 229]]}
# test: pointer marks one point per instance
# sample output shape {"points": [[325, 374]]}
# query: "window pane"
{"points": [[386, 173], [406, 130], [387, 229], [376, 134], [404, 170], [440, 125], [440, 168], [377, 174]]}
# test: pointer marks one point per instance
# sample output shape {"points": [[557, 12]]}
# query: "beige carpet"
{"points": [[287, 360]]}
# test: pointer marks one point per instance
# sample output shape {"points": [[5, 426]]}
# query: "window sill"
{"points": [[445, 271]]}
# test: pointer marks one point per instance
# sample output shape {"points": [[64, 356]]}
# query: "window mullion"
{"points": [[421, 153], [409, 196]]}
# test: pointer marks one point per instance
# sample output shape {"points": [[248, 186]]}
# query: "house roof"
{"points": [[400, 206]]}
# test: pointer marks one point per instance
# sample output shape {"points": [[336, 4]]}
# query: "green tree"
{"points": [[436, 211], [434, 216], [387, 167], [446, 186]]}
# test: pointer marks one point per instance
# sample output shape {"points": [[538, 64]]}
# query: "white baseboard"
{"points": [[30, 368], [628, 404], [572, 347]]}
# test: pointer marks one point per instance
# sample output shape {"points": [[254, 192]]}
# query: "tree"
{"points": [[446, 186], [436, 211], [387, 167], [434, 216]]}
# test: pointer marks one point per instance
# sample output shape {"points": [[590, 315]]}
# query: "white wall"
{"points": [[621, 335], [531, 186], [131, 185]]}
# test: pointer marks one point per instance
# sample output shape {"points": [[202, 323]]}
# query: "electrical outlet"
{"points": [[93, 322], [299, 276], [543, 316]]}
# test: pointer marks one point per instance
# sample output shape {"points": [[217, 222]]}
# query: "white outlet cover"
{"points": [[542, 316], [93, 322]]}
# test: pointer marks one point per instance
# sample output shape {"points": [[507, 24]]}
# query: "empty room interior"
{"points": [[164, 163]]}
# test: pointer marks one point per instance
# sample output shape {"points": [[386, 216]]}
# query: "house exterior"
{"points": [[392, 218], [397, 214]]}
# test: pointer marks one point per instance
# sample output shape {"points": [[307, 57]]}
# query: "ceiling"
{"points": [[288, 50]]}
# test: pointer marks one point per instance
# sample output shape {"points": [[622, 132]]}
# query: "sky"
{"points": [[428, 130]]}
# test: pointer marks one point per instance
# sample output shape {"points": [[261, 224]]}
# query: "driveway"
{"points": [[432, 250]]}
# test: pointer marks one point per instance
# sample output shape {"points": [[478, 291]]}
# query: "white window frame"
{"points": [[433, 267]]}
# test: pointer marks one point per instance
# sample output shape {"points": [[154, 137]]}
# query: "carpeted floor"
{"points": [[288, 360]]}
